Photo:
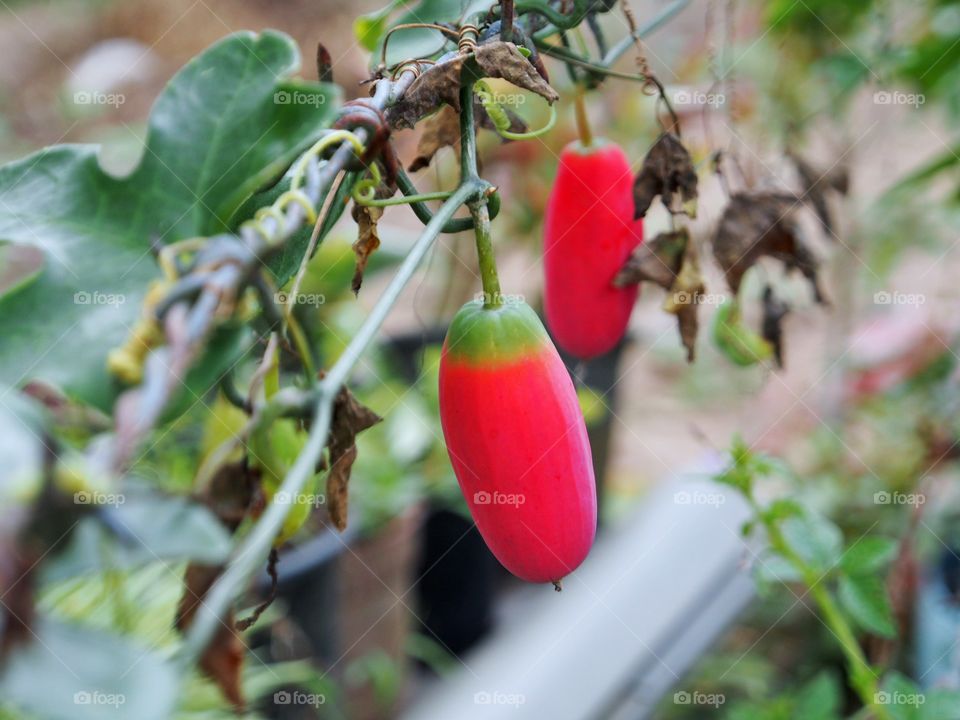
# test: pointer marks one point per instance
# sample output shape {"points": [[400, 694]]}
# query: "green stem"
{"points": [[405, 199], [250, 554], [862, 677], [478, 208], [583, 121]]}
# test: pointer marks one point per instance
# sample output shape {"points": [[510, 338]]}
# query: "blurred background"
{"points": [[407, 613]]}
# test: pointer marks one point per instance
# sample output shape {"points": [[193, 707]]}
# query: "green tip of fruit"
{"points": [[490, 335]]}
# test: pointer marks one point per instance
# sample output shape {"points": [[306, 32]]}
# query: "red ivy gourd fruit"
{"points": [[517, 440], [589, 233]]}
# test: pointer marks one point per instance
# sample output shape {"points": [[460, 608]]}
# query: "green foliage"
{"points": [[865, 598], [216, 135]]}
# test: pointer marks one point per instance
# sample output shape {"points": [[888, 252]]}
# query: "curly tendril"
{"points": [[501, 119]]}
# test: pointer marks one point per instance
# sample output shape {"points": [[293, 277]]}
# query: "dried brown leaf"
{"points": [[685, 295], [222, 660], [350, 418], [668, 172], [440, 84], [774, 311], [367, 240], [324, 64], [814, 186], [232, 494], [657, 260], [763, 224], [442, 129]]}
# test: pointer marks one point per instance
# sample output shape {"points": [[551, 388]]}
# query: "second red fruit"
{"points": [[589, 233]]}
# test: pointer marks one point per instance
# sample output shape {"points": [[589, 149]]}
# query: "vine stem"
{"points": [[583, 121], [862, 677], [478, 207], [250, 554]]}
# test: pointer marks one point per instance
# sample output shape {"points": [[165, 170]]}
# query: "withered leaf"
{"points": [[440, 84], [814, 186], [367, 240], [231, 494], [350, 418], [668, 172], [442, 129], [657, 260], [683, 300], [755, 224], [324, 64], [774, 311], [222, 661]]}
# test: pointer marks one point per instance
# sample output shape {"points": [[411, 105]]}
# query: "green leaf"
{"points": [[941, 704], [815, 539], [147, 527], [73, 673], [865, 598], [868, 555], [219, 132], [774, 569], [901, 697], [819, 699]]}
